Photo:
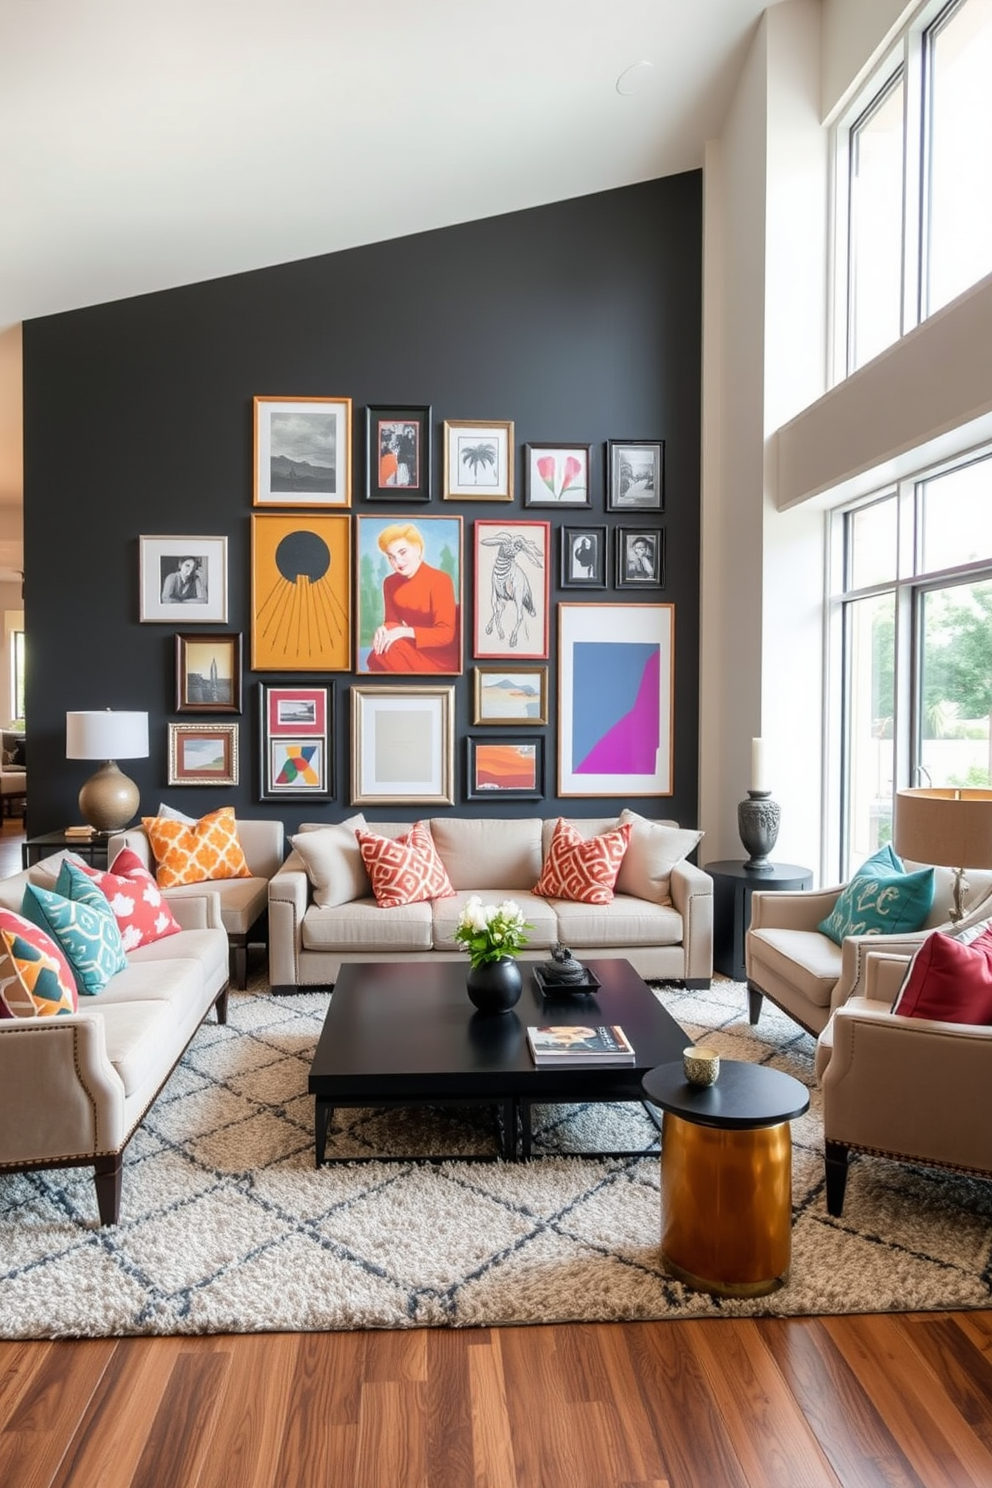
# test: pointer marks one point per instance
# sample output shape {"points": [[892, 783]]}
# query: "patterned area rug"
{"points": [[228, 1227]]}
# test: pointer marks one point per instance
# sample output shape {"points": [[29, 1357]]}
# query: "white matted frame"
{"points": [[402, 746], [616, 682], [302, 452], [478, 460], [182, 580]]}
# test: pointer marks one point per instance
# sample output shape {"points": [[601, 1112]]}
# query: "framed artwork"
{"points": [[511, 695], [640, 557], [616, 675], [302, 452], [409, 594], [478, 460], [557, 474], [208, 673], [294, 733], [402, 745], [203, 754], [583, 557], [398, 457], [300, 592], [635, 475], [511, 588], [182, 578], [504, 769]]}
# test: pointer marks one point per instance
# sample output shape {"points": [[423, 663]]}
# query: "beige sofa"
{"points": [[661, 918], [74, 1088], [243, 901]]}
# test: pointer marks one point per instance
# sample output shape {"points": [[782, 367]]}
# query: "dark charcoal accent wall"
{"points": [[580, 321]]}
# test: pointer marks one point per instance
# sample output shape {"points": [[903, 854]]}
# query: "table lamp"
{"points": [[108, 800], [949, 827]]}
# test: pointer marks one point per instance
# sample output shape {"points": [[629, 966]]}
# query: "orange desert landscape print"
{"points": [[505, 766]]}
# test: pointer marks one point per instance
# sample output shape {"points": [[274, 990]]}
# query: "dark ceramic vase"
{"points": [[495, 986]]}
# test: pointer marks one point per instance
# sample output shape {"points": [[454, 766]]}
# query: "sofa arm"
{"points": [[196, 911], [857, 954], [794, 909], [289, 895], [59, 1094], [692, 895], [136, 838]]}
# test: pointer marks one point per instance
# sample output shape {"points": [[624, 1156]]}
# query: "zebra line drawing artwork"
{"points": [[510, 585]]}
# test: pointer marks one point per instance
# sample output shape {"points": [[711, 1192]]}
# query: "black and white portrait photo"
{"points": [[583, 557], [182, 577], [639, 557]]}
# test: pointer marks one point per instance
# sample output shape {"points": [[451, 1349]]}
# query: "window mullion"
{"points": [[915, 183]]}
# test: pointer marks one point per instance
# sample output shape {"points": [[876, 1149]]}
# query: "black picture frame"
{"points": [[402, 434], [639, 557], [572, 548], [488, 760], [558, 475], [635, 475], [295, 741]]}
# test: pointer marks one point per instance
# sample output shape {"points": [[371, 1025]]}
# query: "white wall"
{"points": [[856, 35]]}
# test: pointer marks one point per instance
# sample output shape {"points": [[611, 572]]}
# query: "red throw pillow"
{"points": [[141, 913], [949, 980], [24, 943], [404, 870], [580, 868]]}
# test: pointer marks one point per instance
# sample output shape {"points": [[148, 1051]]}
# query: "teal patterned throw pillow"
{"points": [[85, 930], [881, 899]]}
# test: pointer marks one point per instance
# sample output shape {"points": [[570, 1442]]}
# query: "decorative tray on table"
{"points": [[589, 983]]}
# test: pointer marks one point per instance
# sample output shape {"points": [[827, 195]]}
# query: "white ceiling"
{"points": [[151, 143]]}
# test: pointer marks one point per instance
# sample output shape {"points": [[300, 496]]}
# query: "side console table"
{"points": [[733, 885], [92, 850]]}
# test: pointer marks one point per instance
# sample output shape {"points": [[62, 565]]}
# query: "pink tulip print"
{"points": [[560, 472]]}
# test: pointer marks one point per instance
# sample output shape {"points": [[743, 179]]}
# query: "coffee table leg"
{"points": [[508, 1129], [322, 1113], [525, 1129]]}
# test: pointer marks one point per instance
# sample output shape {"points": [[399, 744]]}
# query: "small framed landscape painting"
{"points": [[557, 474], [302, 452], [504, 769], [182, 579], [512, 695], [203, 754], [478, 460], [635, 475], [208, 673], [398, 458], [294, 734]]}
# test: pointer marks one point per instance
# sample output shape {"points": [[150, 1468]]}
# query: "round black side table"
{"points": [[733, 885], [726, 1176]]}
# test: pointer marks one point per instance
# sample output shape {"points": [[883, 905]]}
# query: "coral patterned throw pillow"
{"points": [[141, 913], [583, 869], [404, 870]]}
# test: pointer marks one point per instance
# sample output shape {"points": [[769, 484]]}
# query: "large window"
{"points": [[917, 212], [913, 617]]}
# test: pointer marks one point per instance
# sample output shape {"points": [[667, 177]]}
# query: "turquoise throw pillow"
{"points": [[881, 899], [85, 931]]}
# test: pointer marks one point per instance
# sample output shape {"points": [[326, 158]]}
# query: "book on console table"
{"points": [[579, 1044]]}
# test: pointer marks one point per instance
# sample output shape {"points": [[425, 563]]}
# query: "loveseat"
{"points": [[322, 911], [75, 1087]]}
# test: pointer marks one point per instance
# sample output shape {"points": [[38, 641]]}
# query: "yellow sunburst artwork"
{"points": [[300, 592]]}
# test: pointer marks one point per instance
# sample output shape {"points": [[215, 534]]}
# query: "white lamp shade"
{"points": [[106, 735]]}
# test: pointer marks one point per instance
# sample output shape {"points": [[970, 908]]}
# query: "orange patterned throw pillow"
{"points": [[208, 850], [404, 870], [580, 868]]}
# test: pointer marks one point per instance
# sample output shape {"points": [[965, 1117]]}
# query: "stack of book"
{"points": [[556, 1044]]}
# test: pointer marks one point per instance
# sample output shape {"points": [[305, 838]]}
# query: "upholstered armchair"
{"points": [[805, 973], [902, 1087]]}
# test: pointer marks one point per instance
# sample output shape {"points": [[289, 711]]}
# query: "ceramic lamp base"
{"points": [[109, 800]]}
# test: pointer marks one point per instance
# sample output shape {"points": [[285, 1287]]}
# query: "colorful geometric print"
{"points": [[31, 984], [87, 933], [404, 870], [33, 935], [297, 766], [141, 913], [583, 869], [209, 850]]}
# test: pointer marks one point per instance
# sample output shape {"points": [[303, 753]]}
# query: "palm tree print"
{"points": [[474, 455]]}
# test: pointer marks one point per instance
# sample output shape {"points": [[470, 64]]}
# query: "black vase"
{"points": [[495, 986]]}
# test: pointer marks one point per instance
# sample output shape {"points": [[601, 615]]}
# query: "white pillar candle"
{"points": [[758, 780]]}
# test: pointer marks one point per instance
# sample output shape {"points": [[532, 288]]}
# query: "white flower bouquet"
{"points": [[489, 931]]}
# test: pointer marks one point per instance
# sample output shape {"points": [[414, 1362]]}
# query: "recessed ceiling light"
{"points": [[635, 78]]}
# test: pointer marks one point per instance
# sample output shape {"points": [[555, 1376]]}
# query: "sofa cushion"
{"points": [[135, 899], [364, 926], [209, 850], [333, 861], [582, 868], [404, 870], [801, 960], [537, 912], [241, 900], [31, 984], [881, 899], [950, 980], [508, 851], [14, 924], [625, 921], [652, 853], [83, 926]]}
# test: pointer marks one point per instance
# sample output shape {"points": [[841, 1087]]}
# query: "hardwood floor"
{"points": [[889, 1401]]}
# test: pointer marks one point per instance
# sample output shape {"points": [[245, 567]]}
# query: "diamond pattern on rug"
{"points": [[228, 1226]]}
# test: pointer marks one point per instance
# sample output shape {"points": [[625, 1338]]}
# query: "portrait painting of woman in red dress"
{"points": [[409, 596]]}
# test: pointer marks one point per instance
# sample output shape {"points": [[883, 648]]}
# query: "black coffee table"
{"points": [[405, 1034]]}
